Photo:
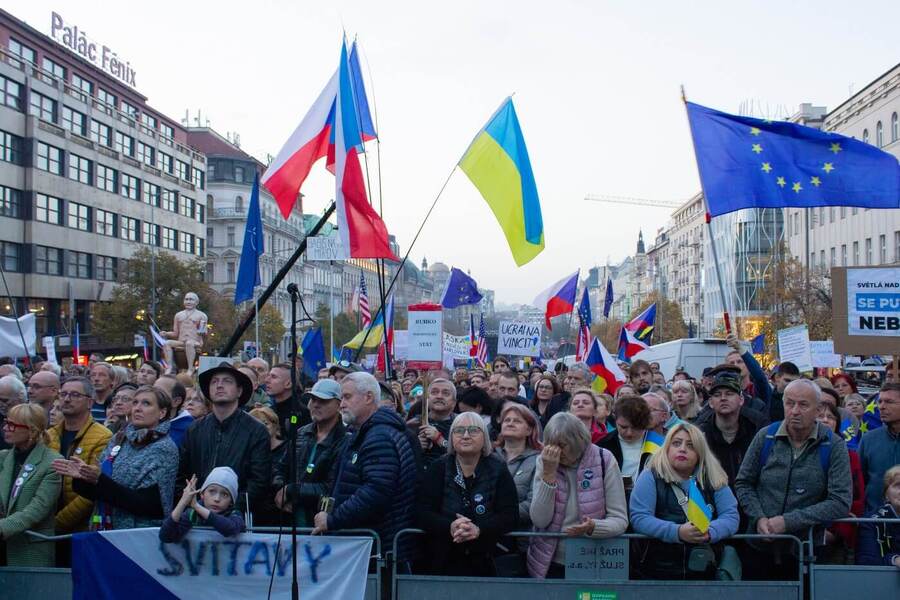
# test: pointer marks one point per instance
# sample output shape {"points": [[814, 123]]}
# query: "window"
{"points": [[229, 234], [107, 98], [822, 262], [186, 207], [186, 242], [210, 272], [149, 120], [101, 133], [184, 170], [197, 178], [831, 214], [128, 228], [882, 249], [165, 162], [150, 234], [868, 251], [79, 265], [879, 134], [124, 143], [10, 255], [49, 158], [169, 238], [201, 213], [53, 68], [19, 49], [146, 154], [843, 212], [865, 137], [229, 272], [74, 121], [104, 222], [855, 254], [895, 128], [150, 193], [83, 84], [105, 268], [129, 186], [843, 255], [833, 262], [170, 200], [79, 216], [209, 236], [198, 247], [47, 209], [211, 170], [106, 178], [11, 93], [42, 107], [80, 169], [47, 261], [167, 130], [10, 202], [239, 174], [10, 148], [129, 109]]}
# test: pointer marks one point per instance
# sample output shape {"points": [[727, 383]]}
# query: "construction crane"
{"points": [[633, 201]]}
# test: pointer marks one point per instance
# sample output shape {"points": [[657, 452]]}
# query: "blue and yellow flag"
{"points": [[698, 513], [373, 339], [652, 442], [871, 419], [497, 163]]}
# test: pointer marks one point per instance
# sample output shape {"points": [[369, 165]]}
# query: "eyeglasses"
{"points": [[472, 430], [75, 395], [12, 426], [121, 398]]}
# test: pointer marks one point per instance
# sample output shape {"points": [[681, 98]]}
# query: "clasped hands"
{"points": [[463, 530]]}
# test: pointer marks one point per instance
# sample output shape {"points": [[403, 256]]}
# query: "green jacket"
{"points": [[33, 507]]}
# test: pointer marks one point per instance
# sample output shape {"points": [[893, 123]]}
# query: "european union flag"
{"points": [[608, 301], [248, 272], [313, 349], [755, 163], [461, 289], [758, 344]]}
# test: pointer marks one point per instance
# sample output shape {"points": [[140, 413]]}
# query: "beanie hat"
{"points": [[225, 477]]}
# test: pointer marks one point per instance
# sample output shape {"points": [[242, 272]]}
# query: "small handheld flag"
{"points": [[584, 327], [652, 442], [629, 345], [698, 512], [482, 355], [608, 374]]}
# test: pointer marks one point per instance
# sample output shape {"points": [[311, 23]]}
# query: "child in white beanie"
{"points": [[214, 508]]}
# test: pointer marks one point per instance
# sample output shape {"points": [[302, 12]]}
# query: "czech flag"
{"points": [[642, 325], [652, 442], [559, 298], [629, 345], [698, 511], [608, 374]]}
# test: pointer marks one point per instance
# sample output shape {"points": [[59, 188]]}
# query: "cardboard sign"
{"points": [[401, 344], [250, 349], [793, 346], [48, 342], [519, 338], [325, 247], [596, 559], [866, 310], [457, 346], [425, 340], [823, 356]]}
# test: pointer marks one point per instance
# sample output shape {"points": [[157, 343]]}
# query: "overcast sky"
{"points": [[596, 88]]}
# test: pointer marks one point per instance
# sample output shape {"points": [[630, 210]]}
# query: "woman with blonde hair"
{"points": [[660, 505], [29, 487], [685, 403]]}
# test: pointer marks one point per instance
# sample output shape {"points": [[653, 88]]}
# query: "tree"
{"points": [[345, 326], [271, 330], [608, 332]]}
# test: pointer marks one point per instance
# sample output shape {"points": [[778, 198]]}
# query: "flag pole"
{"points": [[712, 242], [331, 309], [256, 321]]}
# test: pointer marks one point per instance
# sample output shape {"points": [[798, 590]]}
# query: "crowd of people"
{"points": [[468, 456]]}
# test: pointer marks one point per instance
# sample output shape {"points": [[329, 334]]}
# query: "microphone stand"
{"points": [[292, 439]]}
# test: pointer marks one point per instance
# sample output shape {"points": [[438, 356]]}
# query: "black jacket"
{"points": [[284, 411], [558, 403], [377, 481], [731, 455], [489, 499], [315, 471], [240, 442], [434, 452]]}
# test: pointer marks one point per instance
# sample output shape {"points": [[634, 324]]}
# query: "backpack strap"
{"points": [[825, 455], [768, 443]]}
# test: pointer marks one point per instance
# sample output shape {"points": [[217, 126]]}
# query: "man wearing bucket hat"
{"points": [[319, 444], [227, 437]]}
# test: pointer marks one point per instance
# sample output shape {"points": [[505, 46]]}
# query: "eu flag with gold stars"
{"points": [[746, 162]]}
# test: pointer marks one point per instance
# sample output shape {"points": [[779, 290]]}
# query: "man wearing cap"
{"points": [[729, 432], [339, 370], [227, 437], [751, 407], [319, 445], [284, 400]]}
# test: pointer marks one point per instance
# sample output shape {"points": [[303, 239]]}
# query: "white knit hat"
{"points": [[224, 476]]}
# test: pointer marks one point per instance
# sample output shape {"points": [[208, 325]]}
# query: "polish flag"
{"points": [[559, 298]]}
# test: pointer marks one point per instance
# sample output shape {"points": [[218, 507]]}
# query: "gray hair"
{"points": [[16, 386], [566, 429], [583, 370], [13, 370], [656, 396], [53, 368], [87, 388], [473, 418], [809, 385], [447, 381], [364, 382]]}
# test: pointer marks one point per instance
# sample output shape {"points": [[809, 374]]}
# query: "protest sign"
{"points": [[113, 564], [519, 338], [457, 346], [593, 559], [793, 346], [866, 310], [401, 344], [425, 343], [325, 247], [823, 356], [48, 342], [250, 349]]}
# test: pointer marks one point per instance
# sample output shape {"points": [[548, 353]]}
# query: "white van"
{"points": [[691, 355]]}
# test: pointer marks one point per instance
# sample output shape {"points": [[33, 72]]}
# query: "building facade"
{"points": [[686, 259], [89, 173]]}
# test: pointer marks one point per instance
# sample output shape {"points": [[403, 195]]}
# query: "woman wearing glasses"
{"points": [[29, 488], [468, 501]]}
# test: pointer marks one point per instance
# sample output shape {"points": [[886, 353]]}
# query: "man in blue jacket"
{"points": [[377, 477]]}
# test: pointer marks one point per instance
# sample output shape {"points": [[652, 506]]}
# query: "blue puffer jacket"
{"points": [[377, 481]]}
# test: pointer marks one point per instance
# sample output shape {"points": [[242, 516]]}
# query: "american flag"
{"points": [[481, 357], [584, 328], [364, 312]]}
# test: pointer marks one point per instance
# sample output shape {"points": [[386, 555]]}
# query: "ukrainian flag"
{"points": [[652, 442], [497, 163], [376, 333], [698, 513]]}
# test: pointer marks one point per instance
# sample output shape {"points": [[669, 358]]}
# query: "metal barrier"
{"points": [[56, 584], [840, 582], [491, 588]]}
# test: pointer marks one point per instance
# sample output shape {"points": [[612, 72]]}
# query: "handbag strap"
{"points": [[682, 499]]}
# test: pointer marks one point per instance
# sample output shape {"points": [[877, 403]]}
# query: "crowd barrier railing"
{"points": [[599, 587], [56, 583], [840, 582]]}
